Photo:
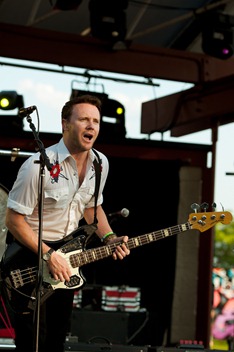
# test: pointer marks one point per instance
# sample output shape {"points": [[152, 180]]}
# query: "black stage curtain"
{"points": [[149, 189]]}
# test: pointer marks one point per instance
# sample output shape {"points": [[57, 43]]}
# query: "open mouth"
{"points": [[88, 136]]}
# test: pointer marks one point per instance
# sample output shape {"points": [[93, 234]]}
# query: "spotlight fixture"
{"points": [[112, 128], [11, 124], [113, 108], [10, 100], [218, 35], [108, 19]]}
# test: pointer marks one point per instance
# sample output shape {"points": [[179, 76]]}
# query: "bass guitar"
{"points": [[19, 266]]}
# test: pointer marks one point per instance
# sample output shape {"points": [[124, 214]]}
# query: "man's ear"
{"points": [[65, 125]]}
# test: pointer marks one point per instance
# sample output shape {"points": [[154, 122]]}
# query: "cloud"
{"points": [[44, 93]]}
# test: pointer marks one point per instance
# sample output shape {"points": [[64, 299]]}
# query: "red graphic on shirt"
{"points": [[55, 171]]}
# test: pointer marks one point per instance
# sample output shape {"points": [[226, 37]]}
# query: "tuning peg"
{"points": [[214, 205], [195, 207], [205, 206]]}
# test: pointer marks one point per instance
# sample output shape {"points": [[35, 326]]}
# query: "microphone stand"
{"points": [[44, 161]]}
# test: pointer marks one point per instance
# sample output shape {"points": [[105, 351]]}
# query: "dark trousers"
{"points": [[54, 324]]}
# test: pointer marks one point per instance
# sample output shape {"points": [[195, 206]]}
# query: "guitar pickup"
{"points": [[74, 281]]}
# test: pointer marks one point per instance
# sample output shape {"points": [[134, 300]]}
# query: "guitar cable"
{"points": [[10, 287]]}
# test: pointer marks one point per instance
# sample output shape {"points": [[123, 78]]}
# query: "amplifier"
{"points": [[116, 327], [110, 326]]}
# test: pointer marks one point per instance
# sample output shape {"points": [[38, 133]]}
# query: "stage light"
{"points": [[11, 125], [218, 35], [10, 100], [113, 108], [108, 20], [119, 111], [221, 48]]}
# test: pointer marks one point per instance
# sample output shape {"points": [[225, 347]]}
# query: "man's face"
{"points": [[82, 129]]}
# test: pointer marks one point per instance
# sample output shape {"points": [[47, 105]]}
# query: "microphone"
{"points": [[23, 112], [124, 212]]}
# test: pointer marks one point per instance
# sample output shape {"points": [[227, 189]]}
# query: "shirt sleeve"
{"points": [[23, 196]]}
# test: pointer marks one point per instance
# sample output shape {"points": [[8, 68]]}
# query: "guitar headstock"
{"points": [[206, 220]]}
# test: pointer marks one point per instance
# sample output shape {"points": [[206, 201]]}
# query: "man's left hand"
{"points": [[121, 250]]}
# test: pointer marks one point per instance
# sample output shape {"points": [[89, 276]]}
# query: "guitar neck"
{"points": [[92, 255]]}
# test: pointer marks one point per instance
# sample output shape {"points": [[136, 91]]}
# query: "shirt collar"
{"points": [[64, 153]]}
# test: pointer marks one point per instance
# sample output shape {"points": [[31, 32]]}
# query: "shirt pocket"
{"points": [[86, 195], [56, 198]]}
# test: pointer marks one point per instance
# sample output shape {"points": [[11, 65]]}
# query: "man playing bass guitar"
{"points": [[68, 196]]}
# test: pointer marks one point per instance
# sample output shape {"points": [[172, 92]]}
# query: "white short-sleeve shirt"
{"points": [[64, 201]]}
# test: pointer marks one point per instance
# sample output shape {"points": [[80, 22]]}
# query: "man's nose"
{"points": [[90, 124]]}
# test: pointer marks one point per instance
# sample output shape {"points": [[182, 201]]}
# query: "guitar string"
{"points": [[102, 252], [25, 276]]}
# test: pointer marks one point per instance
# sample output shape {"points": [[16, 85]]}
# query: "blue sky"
{"points": [[49, 91]]}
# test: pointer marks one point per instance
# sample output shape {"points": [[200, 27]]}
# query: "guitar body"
{"points": [[20, 275]]}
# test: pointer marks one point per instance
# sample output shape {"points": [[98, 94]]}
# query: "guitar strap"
{"points": [[98, 169]]}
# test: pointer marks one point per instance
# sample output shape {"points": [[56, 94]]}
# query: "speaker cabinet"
{"points": [[115, 327], [88, 325]]}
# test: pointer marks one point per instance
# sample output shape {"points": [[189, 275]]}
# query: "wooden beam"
{"points": [[204, 106], [63, 49]]}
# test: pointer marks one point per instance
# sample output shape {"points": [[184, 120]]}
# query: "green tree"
{"points": [[224, 246]]}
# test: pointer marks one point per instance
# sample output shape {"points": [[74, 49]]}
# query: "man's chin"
{"points": [[87, 145]]}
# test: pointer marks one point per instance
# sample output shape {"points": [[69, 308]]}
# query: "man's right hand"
{"points": [[58, 267]]}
